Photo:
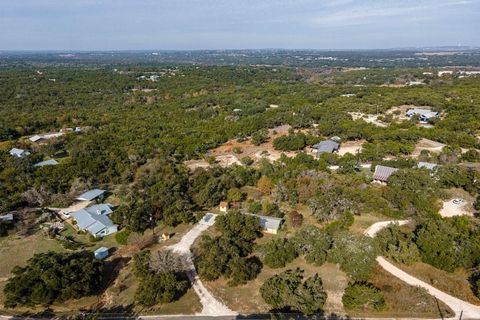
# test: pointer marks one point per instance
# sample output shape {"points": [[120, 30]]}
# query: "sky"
{"points": [[236, 24]]}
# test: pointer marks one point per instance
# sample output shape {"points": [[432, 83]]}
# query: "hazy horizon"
{"points": [[167, 25]]}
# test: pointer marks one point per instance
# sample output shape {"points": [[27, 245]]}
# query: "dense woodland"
{"points": [[134, 143]]}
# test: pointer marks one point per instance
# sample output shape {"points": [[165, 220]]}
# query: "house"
{"points": [[269, 224], [6, 217], [91, 195], [95, 220], [223, 207], [382, 173], [427, 165], [19, 153], [51, 162], [423, 114], [101, 253], [327, 146]]}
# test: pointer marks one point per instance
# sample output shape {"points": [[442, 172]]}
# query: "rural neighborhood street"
{"points": [[461, 308]]}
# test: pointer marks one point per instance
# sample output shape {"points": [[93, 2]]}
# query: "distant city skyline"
{"points": [[242, 24]]}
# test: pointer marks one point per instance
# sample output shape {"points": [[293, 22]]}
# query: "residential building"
{"points": [[91, 195], [427, 165], [423, 114], [50, 162], [95, 220], [19, 153], [269, 224], [382, 173]]}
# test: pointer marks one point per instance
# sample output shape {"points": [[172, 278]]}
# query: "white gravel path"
{"points": [[211, 306], [460, 307]]}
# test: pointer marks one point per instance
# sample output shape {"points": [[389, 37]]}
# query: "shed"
{"points": [[36, 138], [382, 173], [223, 207], [327, 146], [91, 195], [101, 253]]}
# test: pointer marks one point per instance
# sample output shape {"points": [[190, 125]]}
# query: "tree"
{"points": [[159, 282], [363, 296], [260, 137], [51, 276], [290, 142], [265, 185], [279, 252], [295, 219], [287, 292], [313, 243], [235, 195], [413, 191], [355, 254]]}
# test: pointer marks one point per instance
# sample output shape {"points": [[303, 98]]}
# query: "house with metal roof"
{"points": [[423, 114], [19, 153], [427, 165], [382, 173], [268, 224], [36, 138], [327, 146], [91, 195], [95, 220], [50, 162]]}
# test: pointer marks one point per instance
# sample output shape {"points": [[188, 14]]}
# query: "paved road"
{"points": [[460, 307]]}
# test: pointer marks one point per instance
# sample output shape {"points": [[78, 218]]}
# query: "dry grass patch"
{"points": [[403, 300], [362, 222], [246, 299], [454, 283]]}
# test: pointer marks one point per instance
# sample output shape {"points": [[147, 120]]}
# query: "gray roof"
{"points": [[19, 152], [51, 162], [382, 173], [6, 217], [266, 222], [326, 146], [91, 195], [36, 138], [427, 165], [102, 209], [89, 219]]}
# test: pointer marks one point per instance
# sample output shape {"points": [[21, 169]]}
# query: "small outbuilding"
{"points": [[91, 195], [223, 207], [101, 253], [382, 173], [327, 146]]}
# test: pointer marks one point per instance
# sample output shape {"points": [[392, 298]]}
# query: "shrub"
{"points": [[122, 237], [295, 219], [362, 295]]}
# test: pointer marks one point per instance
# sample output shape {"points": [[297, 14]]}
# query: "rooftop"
{"points": [[91, 195]]}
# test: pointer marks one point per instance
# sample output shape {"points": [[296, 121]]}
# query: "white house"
{"points": [[19, 153]]}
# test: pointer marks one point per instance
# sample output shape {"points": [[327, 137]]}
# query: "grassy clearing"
{"points": [[403, 300], [246, 299], [455, 283], [362, 222]]}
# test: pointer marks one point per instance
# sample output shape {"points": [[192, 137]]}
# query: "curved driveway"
{"points": [[460, 307]]}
